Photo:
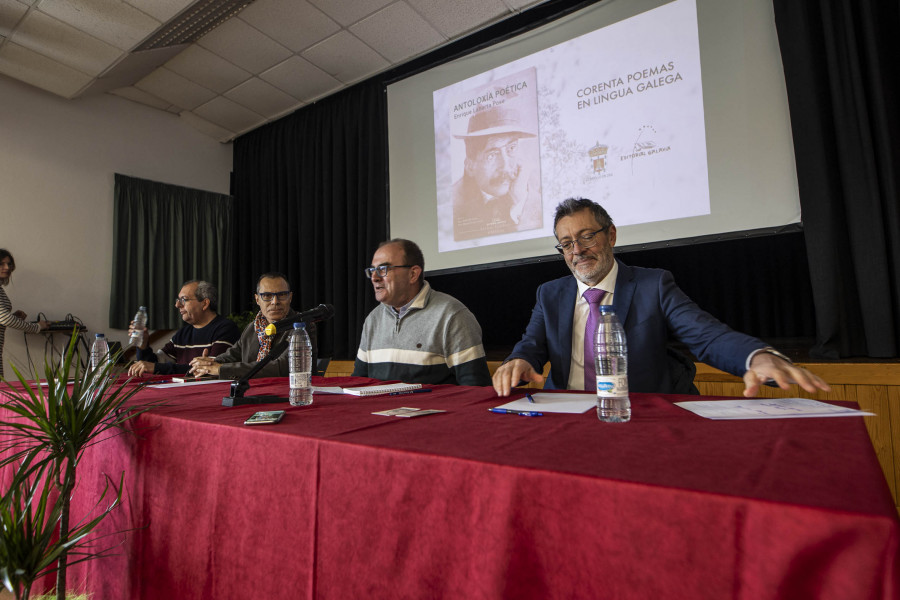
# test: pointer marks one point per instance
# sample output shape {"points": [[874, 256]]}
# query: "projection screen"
{"points": [[673, 115]]}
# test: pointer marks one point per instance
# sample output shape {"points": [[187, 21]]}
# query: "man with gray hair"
{"points": [[652, 310], [204, 329]]}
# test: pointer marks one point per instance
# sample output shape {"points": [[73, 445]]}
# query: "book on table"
{"points": [[377, 390]]}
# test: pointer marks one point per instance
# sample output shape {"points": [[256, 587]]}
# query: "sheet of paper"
{"points": [[162, 386], [548, 402], [768, 408], [321, 389]]}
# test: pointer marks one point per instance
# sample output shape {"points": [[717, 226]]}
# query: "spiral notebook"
{"points": [[376, 390]]}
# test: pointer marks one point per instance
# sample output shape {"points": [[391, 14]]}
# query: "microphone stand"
{"points": [[240, 386]]}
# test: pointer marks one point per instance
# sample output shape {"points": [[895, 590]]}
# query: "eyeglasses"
{"points": [[382, 270], [492, 156], [585, 240], [269, 296], [182, 300]]}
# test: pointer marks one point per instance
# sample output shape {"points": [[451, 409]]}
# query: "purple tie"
{"points": [[593, 297]]}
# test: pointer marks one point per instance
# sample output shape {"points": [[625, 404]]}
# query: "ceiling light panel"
{"points": [[193, 23]]}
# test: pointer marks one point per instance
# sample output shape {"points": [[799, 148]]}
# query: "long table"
{"points": [[335, 502]]}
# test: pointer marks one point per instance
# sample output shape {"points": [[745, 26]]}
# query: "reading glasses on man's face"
{"points": [[585, 240], [269, 296], [382, 270], [182, 300]]}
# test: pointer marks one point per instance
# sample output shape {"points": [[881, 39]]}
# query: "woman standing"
{"points": [[16, 320]]}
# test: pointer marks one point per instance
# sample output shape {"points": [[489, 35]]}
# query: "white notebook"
{"points": [[388, 388]]}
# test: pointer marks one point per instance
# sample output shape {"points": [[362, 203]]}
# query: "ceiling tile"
{"points": [[460, 16], [11, 12], [380, 32], [293, 23], [350, 12], [228, 114], [136, 95], [245, 46], [58, 41], [301, 79], [161, 10], [204, 126], [112, 21], [171, 86], [209, 70], [262, 98], [345, 57], [23, 64]]}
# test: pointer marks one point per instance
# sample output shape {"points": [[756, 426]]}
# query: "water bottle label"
{"points": [[612, 386], [300, 380]]}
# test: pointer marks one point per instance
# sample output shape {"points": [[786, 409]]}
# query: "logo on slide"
{"points": [[598, 158]]}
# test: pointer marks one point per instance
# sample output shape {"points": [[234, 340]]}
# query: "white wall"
{"points": [[57, 164]]}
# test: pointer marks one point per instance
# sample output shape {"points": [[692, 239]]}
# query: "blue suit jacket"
{"points": [[653, 310]]}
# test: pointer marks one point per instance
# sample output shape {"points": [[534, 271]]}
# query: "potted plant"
{"points": [[46, 429]]}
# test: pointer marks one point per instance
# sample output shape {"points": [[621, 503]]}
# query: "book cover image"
{"points": [[495, 158]]}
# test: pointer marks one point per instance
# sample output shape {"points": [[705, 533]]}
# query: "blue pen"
{"points": [[524, 413], [419, 391], [530, 399]]}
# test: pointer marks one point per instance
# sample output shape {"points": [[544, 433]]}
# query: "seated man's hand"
{"points": [[765, 366], [145, 338], [204, 365], [140, 367], [511, 373]]}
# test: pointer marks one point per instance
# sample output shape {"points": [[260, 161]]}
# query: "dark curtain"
{"points": [[164, 235], [842, 81], [311, 200]]}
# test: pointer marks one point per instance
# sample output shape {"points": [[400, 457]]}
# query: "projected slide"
{"points": [[615, 115]]}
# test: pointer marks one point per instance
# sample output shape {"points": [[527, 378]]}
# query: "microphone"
{"points": [[320, 313], [240, 386]]}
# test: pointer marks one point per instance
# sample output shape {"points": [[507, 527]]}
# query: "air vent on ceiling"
{"points": [[193, 23]]}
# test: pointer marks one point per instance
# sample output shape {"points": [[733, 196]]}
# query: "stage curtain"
{"points": [[165, 235], [842, 85], [311, 202]]}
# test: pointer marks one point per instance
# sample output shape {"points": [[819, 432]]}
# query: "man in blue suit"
{"points": [[652, 309]]}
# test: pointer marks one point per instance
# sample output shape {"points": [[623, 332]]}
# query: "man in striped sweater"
{"points": [[203, 330], [417, 335]]}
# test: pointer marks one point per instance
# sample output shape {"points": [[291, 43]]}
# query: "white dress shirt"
{"points": [[579, 320]]}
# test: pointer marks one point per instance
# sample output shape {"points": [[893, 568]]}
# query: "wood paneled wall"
{"points": [[874, 386]]}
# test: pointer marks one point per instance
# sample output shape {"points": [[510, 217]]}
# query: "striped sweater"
{"points": [[217, 337], [8, 319], [437, 340]]}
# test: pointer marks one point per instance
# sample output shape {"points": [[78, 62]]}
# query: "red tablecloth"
{"points": [[335, 502]]}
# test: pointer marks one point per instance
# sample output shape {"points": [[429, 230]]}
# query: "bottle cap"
{"points": [[98, 335], [300, 325]]}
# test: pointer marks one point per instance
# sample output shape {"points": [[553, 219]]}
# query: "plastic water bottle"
{"points": [[140, 320], [611, 352], [99, 352], [300, 366]]}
